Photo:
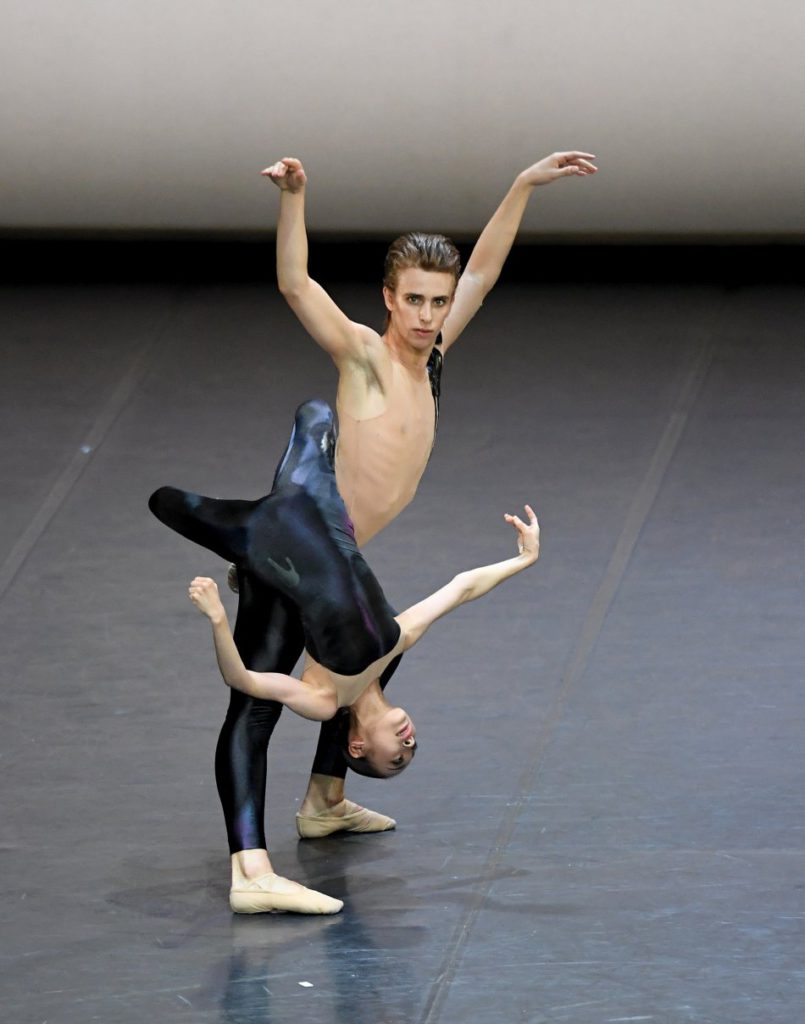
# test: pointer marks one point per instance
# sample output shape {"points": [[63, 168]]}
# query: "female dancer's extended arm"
{"points": [[495, 241], [474, 583], [304, 698]]}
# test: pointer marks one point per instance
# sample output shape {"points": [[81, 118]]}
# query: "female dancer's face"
{"points": [[391, 743]]}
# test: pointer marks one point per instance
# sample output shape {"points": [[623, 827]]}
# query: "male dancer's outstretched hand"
{"points": [[558, 165], [287, 174], [527, 533]]}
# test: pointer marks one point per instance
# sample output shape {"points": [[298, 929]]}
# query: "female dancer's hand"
{"points": [[203, 592], [527, 533], [558, 165], [287, 174]]}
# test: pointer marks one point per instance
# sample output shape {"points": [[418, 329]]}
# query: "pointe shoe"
{"points": [[232, 577], [357, 819], [272, 894]]}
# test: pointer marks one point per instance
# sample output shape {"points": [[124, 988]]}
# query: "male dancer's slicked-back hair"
{"points": [[423, 252]]}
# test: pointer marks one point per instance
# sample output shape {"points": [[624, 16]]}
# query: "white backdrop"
{"points": [[160, 113]]}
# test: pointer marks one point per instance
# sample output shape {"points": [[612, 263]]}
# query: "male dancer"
{"points": [[387, 388]]}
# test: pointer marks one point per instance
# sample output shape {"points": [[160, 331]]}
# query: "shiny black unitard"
{"points": [[303, 581], [270, 637]]}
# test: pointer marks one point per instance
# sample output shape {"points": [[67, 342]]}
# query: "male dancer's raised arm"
{"points": [[340, 337], [495, 241]]}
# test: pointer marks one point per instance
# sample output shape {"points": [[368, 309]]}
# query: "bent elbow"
{"points": [[292, 289], [465, 590], [242, 684]]}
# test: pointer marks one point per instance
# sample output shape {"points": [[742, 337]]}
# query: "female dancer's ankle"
{"points": [[248, 864], [324, 792]]}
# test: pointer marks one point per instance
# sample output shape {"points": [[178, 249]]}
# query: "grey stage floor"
{"points": [[605, 820]]}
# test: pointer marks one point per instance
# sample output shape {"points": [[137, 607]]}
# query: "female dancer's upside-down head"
{"points": [[382, 750]]}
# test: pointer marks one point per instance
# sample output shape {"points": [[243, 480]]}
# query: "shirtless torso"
{"points": [[380, 458]]}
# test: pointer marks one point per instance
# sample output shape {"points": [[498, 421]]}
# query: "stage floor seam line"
{"points": [[122, 394]]}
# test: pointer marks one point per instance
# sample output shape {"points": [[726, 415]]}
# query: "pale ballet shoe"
{"points": [[357, 819], [272, 894]]}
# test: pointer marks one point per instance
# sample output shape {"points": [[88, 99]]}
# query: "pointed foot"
{"points": [[273, 894], [354, 819]]}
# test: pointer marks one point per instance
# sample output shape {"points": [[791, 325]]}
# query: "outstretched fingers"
{"points": [[527, 533], [530, 514], [575, 162]]}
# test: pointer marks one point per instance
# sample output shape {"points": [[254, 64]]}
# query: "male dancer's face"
{"points": [[419, 305]]}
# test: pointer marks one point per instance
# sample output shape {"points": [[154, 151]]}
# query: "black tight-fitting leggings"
{"points": [[302, 583]]}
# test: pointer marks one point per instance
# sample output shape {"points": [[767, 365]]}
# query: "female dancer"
{"points": [[299, 541], [303, 538]]}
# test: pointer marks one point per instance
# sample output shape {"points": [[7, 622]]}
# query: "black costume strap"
{"points": [[435, 363]]}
